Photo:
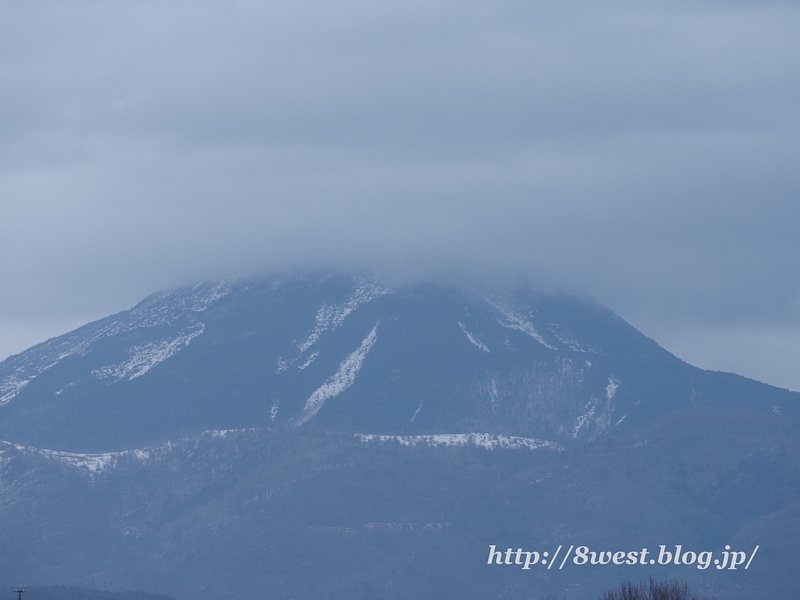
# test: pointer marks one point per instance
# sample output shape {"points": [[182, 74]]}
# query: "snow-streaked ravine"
{"points": [[13, 384], [146, 356], [310, 360], [490, 441], [596, 414], [611, 388], [569, 340], [584, 420], [514, 320], [339, 381], [473, 340], [160, 309], [330, 317]]}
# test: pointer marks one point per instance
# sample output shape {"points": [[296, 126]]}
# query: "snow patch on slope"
{"points": [[96, 463], [474, 340], [583, 421], [339, 381], [93, 463], [13, 384], [514, 320], [163, 308], [146, 356], [598, 415], [331, 317], [568, 339], [490, 441], [611, 388], [90, 463], [310, 360]]}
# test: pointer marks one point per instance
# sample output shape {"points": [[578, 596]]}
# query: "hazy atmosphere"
{"points": [[647, 156]]}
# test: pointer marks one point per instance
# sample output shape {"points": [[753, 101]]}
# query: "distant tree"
{"points": [[655, 590]]}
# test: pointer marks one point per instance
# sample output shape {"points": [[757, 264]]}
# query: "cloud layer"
{"points": [[646, 155]]}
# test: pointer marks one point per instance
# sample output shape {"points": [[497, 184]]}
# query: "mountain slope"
{"points": [[346, 354], [329, 436]]}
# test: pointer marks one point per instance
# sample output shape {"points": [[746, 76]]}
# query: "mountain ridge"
{"points": [[282, 367]]}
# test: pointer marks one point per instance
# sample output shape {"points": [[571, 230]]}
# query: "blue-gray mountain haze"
{"points": [[330, 436]]}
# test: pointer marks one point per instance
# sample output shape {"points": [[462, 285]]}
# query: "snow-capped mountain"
{"points": [[344, 354], [254, 434]]}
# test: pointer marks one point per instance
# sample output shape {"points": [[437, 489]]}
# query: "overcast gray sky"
{"points": [[645, 154]]}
